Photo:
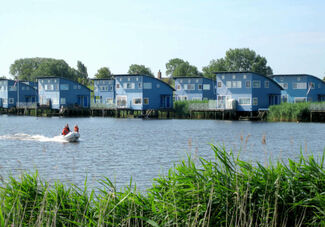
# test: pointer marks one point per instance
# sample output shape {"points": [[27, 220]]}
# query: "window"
{"points": [[121, 101], [284, 85], [312, 85], [244, 101], [300, 99], [256, 84], [248, 84], [137, 101], [137, 79], [62, 100], [64, 87], [197, 80], [244, 77], [178, 87], [181, 81], [223, 77], [11, 100], [117, 85], [129, 78], [206, 86], [182, 98], [189, 87], [228, 84], [233, 77], [266, 84], [255, 101], [158, 85], [299, 85], [319, 85], [236, 84], [147, 85], [219, 84], [140, 85], [146, 101], [49, 87], [298, 78]]}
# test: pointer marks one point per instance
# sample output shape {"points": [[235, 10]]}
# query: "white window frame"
{"points": [[178, 87], [299, 86], [244, 98], [228, 84], [11, 100], [301, 99], [255, 101], [219, 84], [109, 100], [123, 98], [266, 84], [137, 99]]}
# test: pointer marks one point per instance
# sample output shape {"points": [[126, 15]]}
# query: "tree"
{"points": [[177, 67], [140, 69], [31, 68], [82, 73], [240, 60], [103, 73]]}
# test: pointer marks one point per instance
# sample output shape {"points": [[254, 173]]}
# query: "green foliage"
{"points": [[140, 69], [239, 60], [226, 191], [182, 107], [177, 67], [104, 73], [289, 112], [30, 68]]}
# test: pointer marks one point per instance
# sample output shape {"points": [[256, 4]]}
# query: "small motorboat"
{"points": [[71, 137]]}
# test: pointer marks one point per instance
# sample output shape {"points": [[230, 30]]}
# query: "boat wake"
{"points": [[39, 138]]}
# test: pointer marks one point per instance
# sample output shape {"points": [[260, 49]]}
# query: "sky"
{"points": [[290, 34]]}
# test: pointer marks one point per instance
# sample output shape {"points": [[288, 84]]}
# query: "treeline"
{"points": [[235, 60]]}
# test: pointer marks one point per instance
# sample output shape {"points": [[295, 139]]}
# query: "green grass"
{"points": [[182, 107], [289, 112], [226, 191]]}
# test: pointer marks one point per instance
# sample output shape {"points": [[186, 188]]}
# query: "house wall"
{"points": [[74, 94], [160, 95], [197, 91], [242, 88], [104, 91], [136, 88], [62, 92], [296, 88]]}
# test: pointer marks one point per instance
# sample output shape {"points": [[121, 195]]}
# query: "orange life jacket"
{"points": [[65, 131]]}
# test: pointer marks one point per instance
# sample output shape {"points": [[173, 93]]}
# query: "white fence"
{"points": [[28, 105]]}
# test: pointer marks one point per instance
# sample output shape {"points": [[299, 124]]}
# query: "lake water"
{"points": [[142, 149]]}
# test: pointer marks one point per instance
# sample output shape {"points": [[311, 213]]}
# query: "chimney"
{"points": [[159, 75]]}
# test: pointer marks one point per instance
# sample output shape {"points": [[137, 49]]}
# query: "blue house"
{"points": [[57, 92], [300, 88], [142, 92], [104, 92], [16, 94], [194, 88], [246, 91]]}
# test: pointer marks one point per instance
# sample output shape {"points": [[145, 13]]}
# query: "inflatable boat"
{"points": [[71, 137]]}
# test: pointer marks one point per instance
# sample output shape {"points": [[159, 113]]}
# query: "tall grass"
{"points": [[289, 112], [225, 191], [182, 107]]}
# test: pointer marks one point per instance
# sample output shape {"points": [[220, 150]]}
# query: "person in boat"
{"points": [[76, 128], [66, 130]]}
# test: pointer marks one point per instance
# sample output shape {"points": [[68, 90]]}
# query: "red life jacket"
{"points": [[65, 131]]}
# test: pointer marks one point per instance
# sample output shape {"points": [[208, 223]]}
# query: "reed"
{"points": [[226, 191], [290, 112], [182, 107]]}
